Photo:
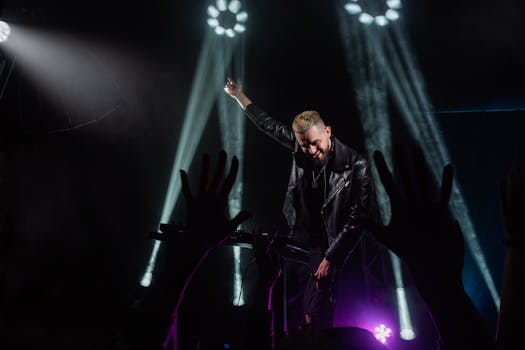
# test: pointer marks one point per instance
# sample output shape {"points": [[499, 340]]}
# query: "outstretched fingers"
{"points": [[219, 172], [230, 178]]}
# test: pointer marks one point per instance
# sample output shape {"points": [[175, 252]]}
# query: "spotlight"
{"points": [[390, 15], [227, 18], [5, 30], [365, 18], [381, 21], [394, 4], [382, 333], [353, 8]]}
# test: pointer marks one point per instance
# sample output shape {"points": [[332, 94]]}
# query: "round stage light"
{"points": [[5, 30], [390, 15], [382, 333], [226, 18]]}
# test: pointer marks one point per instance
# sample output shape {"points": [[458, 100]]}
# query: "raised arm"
{"points": [[234, 89], [279, 132]]}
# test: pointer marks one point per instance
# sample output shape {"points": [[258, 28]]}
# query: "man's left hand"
{"points": [[323, 270]]}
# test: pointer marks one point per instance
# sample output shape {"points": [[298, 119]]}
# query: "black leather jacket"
{"points": [[350, 191]]}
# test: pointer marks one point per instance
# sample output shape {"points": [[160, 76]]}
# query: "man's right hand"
{"points": [[234, 89]]}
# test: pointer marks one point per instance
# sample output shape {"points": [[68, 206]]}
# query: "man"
{"points": [[328, 191]]}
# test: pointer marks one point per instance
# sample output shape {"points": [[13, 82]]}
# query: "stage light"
{"points": [[239, 28], [5, 31], [234, 6], [392, 15], [213, 22], [382, 20], [221, 5], [382, 333], [365, 18], [242, 17], [226, 18], [213, 12], [394, 4], [353, 8]]}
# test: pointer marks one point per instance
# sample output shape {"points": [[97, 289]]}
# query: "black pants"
{"points": [[304, 296]]}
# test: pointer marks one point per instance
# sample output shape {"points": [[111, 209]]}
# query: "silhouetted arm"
{"points": [[424, 236], [512, 307]]}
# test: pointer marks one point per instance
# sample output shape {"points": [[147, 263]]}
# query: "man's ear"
{"points": [[328, 130]]}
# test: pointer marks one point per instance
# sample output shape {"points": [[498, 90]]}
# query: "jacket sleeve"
{"points": [[279, 132], [361, 205]]}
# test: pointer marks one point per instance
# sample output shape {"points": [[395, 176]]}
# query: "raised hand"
{"points": [[208, 223], [233, 88], [421, 231], [423, 234]]}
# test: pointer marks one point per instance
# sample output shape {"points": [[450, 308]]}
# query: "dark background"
{"points": [[81, 202]]}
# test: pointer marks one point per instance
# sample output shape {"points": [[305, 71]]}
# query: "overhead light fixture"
{"points": [[381, 20], [226, 18]]}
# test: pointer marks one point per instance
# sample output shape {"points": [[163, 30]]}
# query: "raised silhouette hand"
{"points": [[208, 223], [421, 231]]}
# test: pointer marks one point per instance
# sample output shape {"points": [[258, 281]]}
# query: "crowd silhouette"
{"points": [[421, 232]]}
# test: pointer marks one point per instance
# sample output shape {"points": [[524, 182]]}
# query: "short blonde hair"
{"points": [[305, 120]]}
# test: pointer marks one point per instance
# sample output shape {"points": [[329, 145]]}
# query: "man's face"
{"points": [[315, 142]]}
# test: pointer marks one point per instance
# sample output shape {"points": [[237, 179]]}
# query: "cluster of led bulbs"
{"points": [[227, 18], [5, 30], [390, 15]]}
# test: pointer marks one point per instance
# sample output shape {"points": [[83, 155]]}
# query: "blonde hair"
{"points": [[305, 120]]}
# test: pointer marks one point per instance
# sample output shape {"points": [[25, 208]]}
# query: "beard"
{"points": [[319, 163]]}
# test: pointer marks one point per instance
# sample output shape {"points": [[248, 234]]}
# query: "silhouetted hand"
{"points": [[323, 271], [421, 231], [512, 204], [208, 223]]}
